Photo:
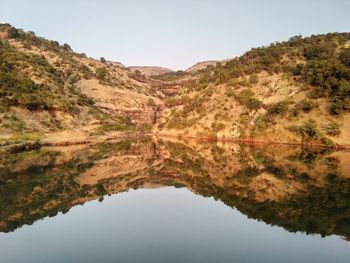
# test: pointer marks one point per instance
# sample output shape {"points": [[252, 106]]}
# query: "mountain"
{"points": [[297, 91], [150, 70]]}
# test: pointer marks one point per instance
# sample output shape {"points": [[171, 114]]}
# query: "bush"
{"points": [[304, 105], [151, 102], [309, 132], [254, 79], [245, 97], [332, 129], [262, 122], [101, 73], [280, 108]]}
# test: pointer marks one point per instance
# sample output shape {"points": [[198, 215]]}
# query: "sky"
{"points": [[173, 33]]}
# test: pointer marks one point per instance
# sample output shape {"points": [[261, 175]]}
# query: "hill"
{"points": [[297, 91], [150, 70], [201, 65], [47, 87]]}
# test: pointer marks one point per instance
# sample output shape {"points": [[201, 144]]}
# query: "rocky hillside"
{"points": [[296, 91], [46, 87]]}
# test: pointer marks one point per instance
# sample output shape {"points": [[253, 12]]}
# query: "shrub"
{"points": [[262, 121], [245, 97], [151, 102], [304, 105], [101, 73], [254, 79], [309, 132], [307, 105], [332, 129], [280, 108]]}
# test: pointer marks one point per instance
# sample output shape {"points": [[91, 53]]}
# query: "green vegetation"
{"points": [[21, 138], [101, 73], [171, 76], [304, 105], [120, 123], [332, 129], [42, 92], [17, 89], [329, 72], [309, 133], [246, 98], [326, 67], [34, 137], [279, 108]]}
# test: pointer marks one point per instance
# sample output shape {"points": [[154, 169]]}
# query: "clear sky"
{"points": [[173, 33]]}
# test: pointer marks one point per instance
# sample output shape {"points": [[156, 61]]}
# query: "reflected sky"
{"points": [[163, 225]]}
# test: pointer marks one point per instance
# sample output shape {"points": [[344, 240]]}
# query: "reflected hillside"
{"points": [[297, 189]]}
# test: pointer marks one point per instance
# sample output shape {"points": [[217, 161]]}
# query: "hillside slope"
{"points": [[46, 87], [296, 91]]}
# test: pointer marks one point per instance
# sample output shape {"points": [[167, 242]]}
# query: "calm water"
{"points": [[175, 202]]}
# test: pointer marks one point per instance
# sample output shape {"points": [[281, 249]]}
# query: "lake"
{"points": [[175, 201]]}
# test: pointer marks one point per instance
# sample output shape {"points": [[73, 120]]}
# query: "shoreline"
{"points": [[255, 141], [33, 145]]}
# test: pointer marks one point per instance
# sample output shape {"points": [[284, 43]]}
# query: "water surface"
{"points": [[146, 201]]}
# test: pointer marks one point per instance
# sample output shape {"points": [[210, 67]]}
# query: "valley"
{"points": [[293, 92]]}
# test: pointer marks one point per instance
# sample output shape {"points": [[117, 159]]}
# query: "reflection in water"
{"points": [[294, 188]]}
